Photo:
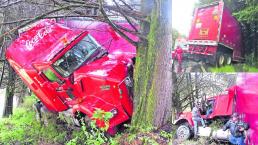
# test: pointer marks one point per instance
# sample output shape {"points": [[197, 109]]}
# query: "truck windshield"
{"points": [[76, 56]]}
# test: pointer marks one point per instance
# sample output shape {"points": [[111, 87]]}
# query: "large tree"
{"points": [[153, 70]]}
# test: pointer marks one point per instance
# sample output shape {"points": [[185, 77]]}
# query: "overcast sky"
{"points": [[182, 11]]}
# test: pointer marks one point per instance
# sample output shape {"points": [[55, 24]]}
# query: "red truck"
{"points": [[222, 108], [215, 36], [71, 72], [241, 98]]}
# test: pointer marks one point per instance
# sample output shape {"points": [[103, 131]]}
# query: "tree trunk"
{"points": [[22, 93], [8, 109], [153, 75], [190, 89], [175, 95]]}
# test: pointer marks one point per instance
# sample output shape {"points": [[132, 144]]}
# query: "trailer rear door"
{"points": [[206, 22]]}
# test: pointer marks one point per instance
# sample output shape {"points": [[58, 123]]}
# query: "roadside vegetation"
{"points": [[234, 68], [23, 128]]}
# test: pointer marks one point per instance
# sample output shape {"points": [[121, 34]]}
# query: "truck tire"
{"points": [[220, 59], [183, 132], [228, 59]]}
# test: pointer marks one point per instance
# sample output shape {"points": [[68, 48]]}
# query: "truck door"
{"points": [[58, 84], [49, 82]]}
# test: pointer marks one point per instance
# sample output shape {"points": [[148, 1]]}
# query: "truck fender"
{"points": [[183, 120]]}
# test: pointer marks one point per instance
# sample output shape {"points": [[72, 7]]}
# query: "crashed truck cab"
{"points": [[69, 71], [222, 109]]}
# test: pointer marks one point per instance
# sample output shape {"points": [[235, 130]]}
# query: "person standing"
{"points": [[179, 57], [196, 117]]}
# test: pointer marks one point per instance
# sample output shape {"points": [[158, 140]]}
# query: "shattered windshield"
{"points": [[76, 56]]}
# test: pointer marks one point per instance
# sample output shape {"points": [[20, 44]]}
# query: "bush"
{"points": [[92, 134]]}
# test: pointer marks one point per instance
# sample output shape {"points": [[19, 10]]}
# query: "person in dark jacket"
{"points": [[236, 128]]}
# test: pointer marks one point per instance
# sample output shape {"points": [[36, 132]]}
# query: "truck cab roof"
{"points": [[41, 43]]}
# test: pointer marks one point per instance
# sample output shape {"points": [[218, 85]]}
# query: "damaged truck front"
{"points": [[71, 73]]}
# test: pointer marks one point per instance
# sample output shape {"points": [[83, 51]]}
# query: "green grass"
{"points": [[235, 68], [228, 68], [22, 128]]}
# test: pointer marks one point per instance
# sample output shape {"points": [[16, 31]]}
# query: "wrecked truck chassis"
{"points": [[185, 131]]}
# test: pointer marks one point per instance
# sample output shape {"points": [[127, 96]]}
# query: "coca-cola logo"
{"points": [[40, 35]]}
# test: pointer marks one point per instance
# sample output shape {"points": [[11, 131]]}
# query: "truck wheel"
{"points": [[183, 132], [220, 59], [228, 60]]}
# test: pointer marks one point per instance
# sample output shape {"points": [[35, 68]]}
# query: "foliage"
{"points": [[102, 116], [235, 68], [166, 135], [227, 68], [93, 134], [248, 14]]}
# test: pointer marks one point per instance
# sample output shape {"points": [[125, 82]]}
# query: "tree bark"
{"points": [[175, 96], [21, 94], [8, 109], [153, 75]]}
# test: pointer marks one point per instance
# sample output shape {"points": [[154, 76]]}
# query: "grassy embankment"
{"points": [[234, 68], [23, 128]]}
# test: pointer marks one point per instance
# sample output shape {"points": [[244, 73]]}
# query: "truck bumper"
{"points": [[210, 58]]}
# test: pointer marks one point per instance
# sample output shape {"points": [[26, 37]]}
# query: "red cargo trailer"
{"points": [[215, 35]]}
